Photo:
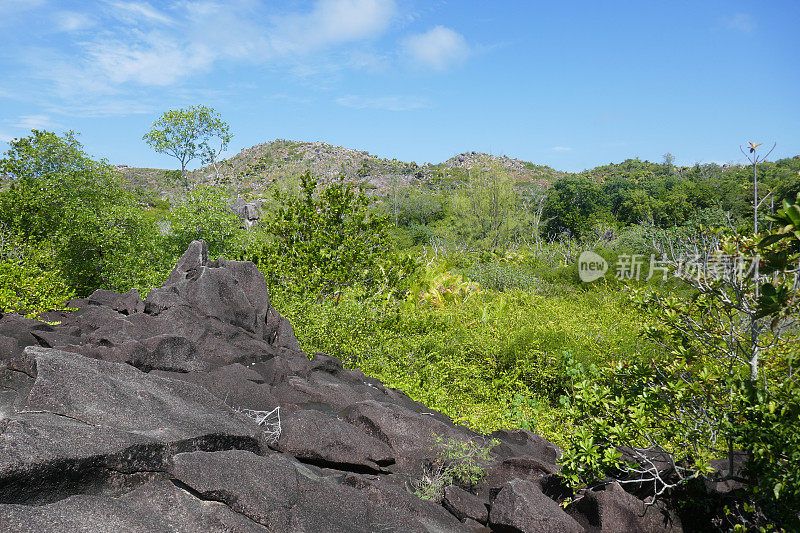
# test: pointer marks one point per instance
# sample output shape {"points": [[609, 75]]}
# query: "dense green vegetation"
{"points": [[491, 361], [636, 192], [463, 291], [73, 226]]}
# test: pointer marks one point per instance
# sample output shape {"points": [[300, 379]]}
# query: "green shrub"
{"points": [[635, 239], [328, 240], [420, 234], [205, 213], [503, 277], [419, 207], [80, 209], [438, 287], [171, 178], [458, 462], [725, 380], [29, 283]]}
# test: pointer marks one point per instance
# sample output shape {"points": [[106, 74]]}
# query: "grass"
{"points": [[496, 361]]}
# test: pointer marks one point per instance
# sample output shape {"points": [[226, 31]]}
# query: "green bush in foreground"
{"points": [[326, 240], [204, 213], [28, 284], [60, 199], [726, 381], [458, 462]]}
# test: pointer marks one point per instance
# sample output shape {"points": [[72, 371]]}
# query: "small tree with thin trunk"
{"points": [[188, 134], [726, 383], [755, 159]]}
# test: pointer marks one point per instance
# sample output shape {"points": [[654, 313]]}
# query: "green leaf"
{"points": [[793, 212], [771, 239]]}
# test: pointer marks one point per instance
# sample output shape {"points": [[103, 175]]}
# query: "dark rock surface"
{"points": [[521, 506], [526, 467], [151, 416], [465, 505], [158, 507], [612, 509], [317, 438]]}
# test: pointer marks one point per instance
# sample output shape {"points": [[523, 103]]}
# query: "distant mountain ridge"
{"points": [[257, 167]]}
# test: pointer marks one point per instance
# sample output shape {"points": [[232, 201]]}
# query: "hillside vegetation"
{"points": [[460, 284], [253, 169]]}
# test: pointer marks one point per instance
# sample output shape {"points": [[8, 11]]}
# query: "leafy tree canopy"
{"points": [[327, 240], [188, 134], [574, 204], [61, 200]]}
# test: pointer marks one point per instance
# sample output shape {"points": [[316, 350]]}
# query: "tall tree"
{"points": [[188, 134], [755, 159], [485, 204], [574, 204]]}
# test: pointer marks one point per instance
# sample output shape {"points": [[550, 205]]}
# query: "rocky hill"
{"points": [[522, 171], [255, 168], [195, 410]]}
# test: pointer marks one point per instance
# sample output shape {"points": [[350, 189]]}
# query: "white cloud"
{"points": [[289, 98], [35, 122], [140, 50], [6, 138], [153, 59], [136, 43], [15, 12], [134, 12], [72, 21], [11, 7], [561, 148], [386, 103], [136, 48], [231, 30], [741, 22], [361, 60], [211, 32], [331, 22], [104, 107], [438, 48]]}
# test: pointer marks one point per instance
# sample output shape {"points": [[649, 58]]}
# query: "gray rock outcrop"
{"points": [[133, 415], [248, 212]]}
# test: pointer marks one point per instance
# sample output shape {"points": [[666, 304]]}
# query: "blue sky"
{"points": [[568, 84]]}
